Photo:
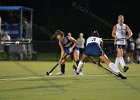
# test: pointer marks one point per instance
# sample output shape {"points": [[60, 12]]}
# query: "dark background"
{"points": [[50, 15]]}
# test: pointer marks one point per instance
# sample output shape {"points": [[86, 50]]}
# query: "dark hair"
{"points": [[58, 32], [95, 33]]}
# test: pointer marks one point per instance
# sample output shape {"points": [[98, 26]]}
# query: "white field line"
{"points": [[39, 77]]}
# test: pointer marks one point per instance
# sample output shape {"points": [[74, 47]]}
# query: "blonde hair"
{"points": [[120, 16]]}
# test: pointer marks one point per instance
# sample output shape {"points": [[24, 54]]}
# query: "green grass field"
{"points": [[27, 81]]}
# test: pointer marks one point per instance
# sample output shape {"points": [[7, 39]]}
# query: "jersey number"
{"points": [[94, 39]]}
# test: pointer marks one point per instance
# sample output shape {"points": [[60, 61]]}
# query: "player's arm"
{"points": [[129, 32], [84, 41], [74, 43], [113, 32], [62, 50], [101, 45], [78, 41]]}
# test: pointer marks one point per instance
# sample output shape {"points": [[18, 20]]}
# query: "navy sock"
{"points": [[77, 62], [63, 68]]}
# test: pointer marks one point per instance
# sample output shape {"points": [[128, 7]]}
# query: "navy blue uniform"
{"points": [[67, 45], [93, 47]]}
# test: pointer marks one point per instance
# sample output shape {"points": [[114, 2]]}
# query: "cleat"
{"points": [[122, 76], [75, 68], [59, 73], [77, 73], [80, 73], [125, 68]]}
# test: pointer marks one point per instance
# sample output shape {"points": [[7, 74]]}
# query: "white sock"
{"points": [[116, 61], [138, 58], [114, 67], [80, 65], [121, 60]]}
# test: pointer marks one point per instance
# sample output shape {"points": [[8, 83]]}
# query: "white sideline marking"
{"points": [[39, 77], [22, 78], [46, 77]]}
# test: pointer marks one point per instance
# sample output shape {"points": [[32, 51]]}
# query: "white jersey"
{"points": [[121, 34], [138, 43], [93, 39], [80, 42]]}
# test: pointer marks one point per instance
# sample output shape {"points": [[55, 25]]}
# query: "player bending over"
{"points": [[68, 45], [94, 48]]}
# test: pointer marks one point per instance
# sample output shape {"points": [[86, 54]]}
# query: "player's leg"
{"points": [[117, 61], [76, 56], [121, 59], [132, 56], [129, 57], [81, 63], [122, 62], [81, 52], [62, 66], [78, 70], [109, 63], [112, 66], [119, 54], [138, 56]]}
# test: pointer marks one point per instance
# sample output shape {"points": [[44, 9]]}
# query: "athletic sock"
{"points": [[77, 62], [121, 60], [114, 67], [80, 65], [138, 58], [116, 61], [63, 68]]}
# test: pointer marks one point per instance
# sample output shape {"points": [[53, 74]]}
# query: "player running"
{"points": [[94, 48], [119, 33], [68, 45]]}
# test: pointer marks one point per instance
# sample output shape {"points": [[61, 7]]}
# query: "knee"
{"points": [[101, 58], [120, 57], [76, 58], [105, 59], [62, 62]]}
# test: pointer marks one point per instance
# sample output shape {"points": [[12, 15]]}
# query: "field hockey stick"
{"points": [[93, 60], [101, 66], [49, 73]]}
